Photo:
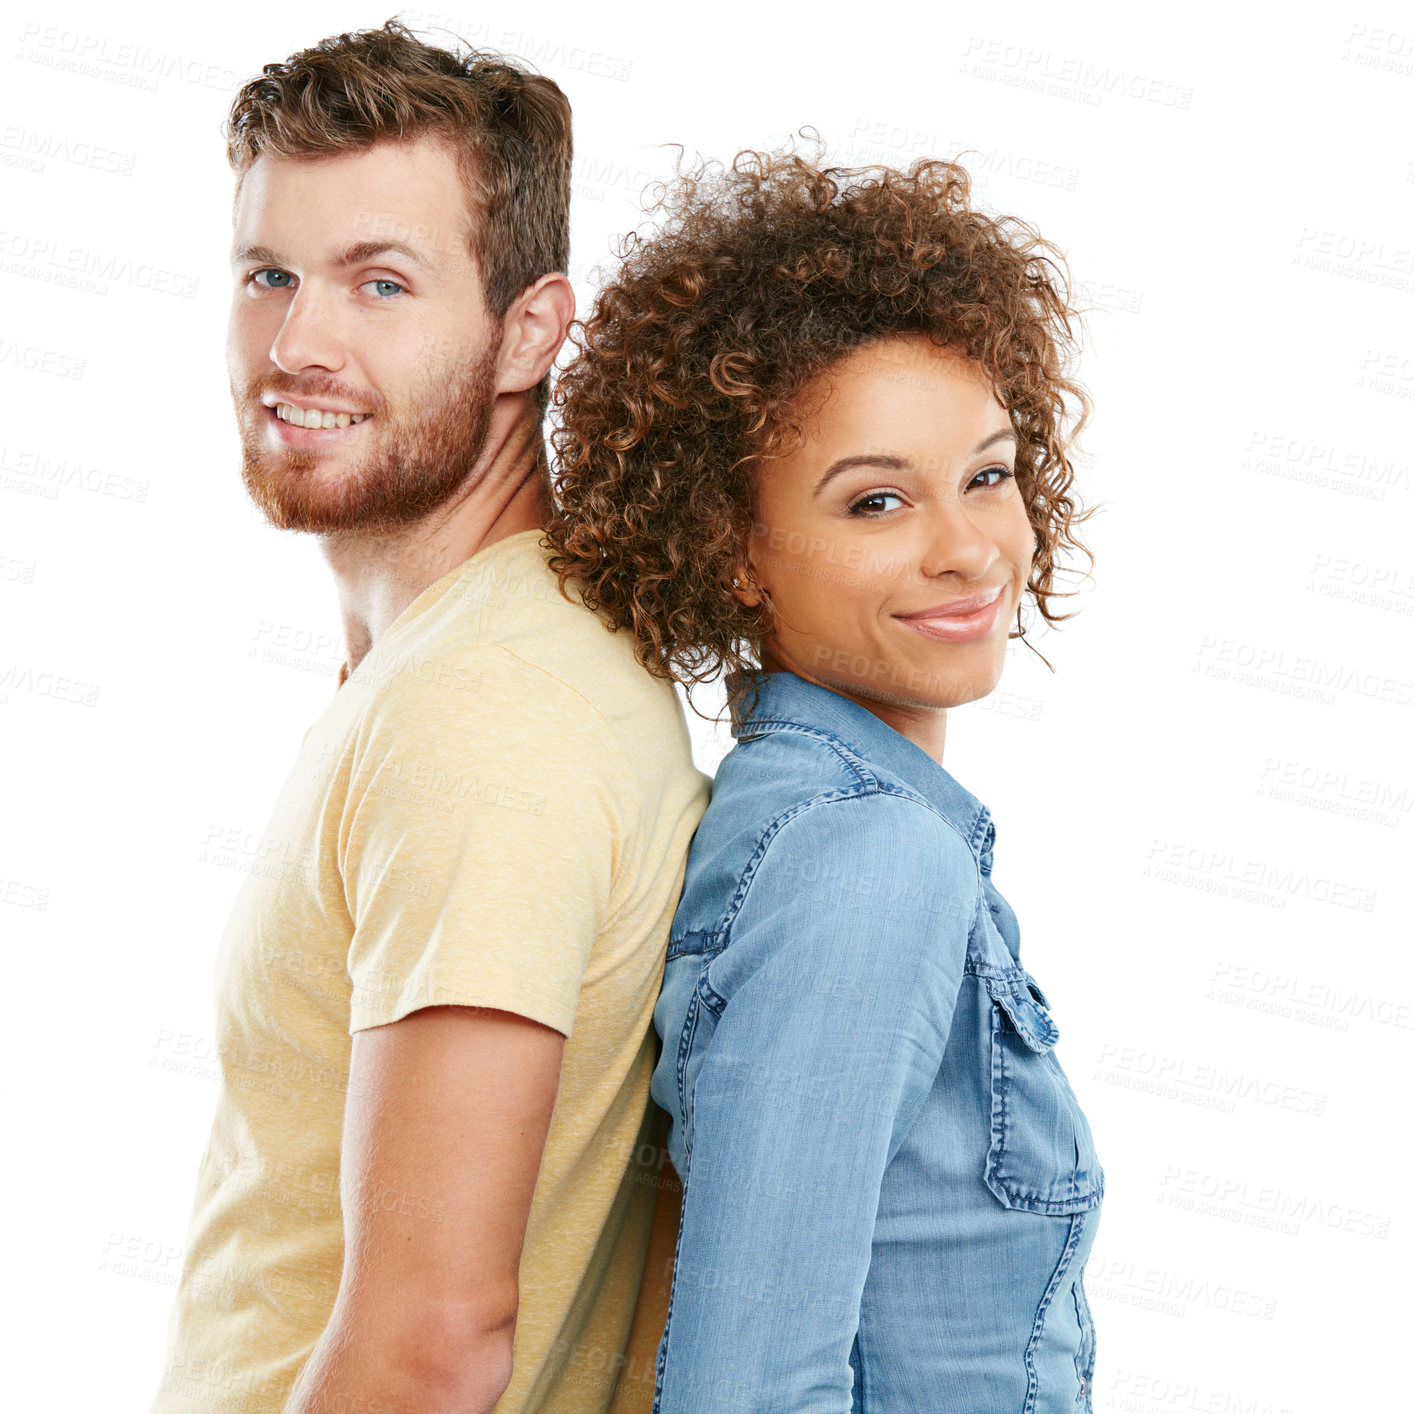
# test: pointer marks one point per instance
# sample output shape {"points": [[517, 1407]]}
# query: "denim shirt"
{"points": [[889, 1188]]}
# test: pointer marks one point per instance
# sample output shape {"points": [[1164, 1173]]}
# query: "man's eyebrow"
{"points": [[355, 254], [887, 463], [361, 251]]}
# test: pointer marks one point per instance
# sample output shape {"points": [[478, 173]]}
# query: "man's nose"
{"points": [[309, 337]]}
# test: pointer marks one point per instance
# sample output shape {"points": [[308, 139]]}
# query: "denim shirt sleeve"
{"points": [[827, 1013]]}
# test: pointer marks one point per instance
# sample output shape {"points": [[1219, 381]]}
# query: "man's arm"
{"points": [[444, 1127]]}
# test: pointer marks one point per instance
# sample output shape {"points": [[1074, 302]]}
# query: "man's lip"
{"points": [[957, 608], [304, 404]]}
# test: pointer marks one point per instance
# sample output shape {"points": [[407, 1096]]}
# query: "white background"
{"points": [[1201, 814]]}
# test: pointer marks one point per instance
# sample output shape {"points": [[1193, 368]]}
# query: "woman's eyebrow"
{"points": [[887, 463], [863, 459], [994, 438]]}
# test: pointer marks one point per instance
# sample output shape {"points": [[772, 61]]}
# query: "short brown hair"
{"points": [[509, 128], [692, 362]]}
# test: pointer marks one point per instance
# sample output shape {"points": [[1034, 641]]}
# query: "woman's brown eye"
{"points": [[1001, 472], [873, 496]]}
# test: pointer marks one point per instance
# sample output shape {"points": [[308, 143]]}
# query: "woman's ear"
{"points": [[745, 587]]}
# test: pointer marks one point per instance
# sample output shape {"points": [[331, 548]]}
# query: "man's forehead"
{"points": [[403, 199]]}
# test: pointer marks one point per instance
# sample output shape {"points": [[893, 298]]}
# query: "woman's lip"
{"points": [[955, 627], [958, 607]]}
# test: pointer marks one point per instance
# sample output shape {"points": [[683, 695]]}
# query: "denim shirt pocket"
{"points": [[1041, 1156]]}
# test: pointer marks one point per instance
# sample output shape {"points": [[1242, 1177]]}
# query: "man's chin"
{"points": [[363, 500], [291, 498], [411, 467]]}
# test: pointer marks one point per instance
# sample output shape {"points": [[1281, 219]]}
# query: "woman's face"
{"points": [[894, 541]]}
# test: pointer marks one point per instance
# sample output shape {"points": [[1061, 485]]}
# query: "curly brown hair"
{"points": [[691, 364]]}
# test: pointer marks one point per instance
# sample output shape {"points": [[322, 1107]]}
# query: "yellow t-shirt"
{"points": [[494, 810]]}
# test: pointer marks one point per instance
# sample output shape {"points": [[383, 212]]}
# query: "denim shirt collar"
{"points": [[785, 699]]}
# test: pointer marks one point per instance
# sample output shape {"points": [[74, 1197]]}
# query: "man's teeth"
{"points": [[313, 417]]}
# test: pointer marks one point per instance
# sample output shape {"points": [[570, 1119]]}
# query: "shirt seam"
{"points": [[821, 799], [981, 825], [847, 753]]}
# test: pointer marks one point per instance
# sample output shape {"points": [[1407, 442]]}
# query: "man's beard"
{"points": [[419, 456]]}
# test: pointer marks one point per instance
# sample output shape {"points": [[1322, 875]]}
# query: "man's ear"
{"points": [[533, 331]]}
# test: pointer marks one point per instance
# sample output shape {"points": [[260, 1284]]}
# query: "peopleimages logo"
{"points": [[1271, 1200], [1169, 860], [1209, 1085], [100, 56], [58, 263], [1287, 994], [1065, 76]]}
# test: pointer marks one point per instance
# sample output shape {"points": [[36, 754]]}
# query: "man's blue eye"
{"points": [[278, 278], [389, 284]]}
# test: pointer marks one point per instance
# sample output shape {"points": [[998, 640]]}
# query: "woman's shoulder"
{"points": [[768, 779], [790, 809]]}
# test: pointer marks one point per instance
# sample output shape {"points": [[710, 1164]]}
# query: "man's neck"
{"points": [[379, 574]]}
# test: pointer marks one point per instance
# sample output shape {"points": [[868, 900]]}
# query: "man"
{"points": [[431, 1174]]}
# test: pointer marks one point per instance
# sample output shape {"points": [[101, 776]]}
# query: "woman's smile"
{"points": [[897, 593], [959, 622]]}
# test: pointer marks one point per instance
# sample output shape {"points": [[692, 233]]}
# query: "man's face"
{"points": [[355, 296]]}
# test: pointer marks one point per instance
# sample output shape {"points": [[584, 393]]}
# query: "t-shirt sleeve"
{"points": [[479, 843]]}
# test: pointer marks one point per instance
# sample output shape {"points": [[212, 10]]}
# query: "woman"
{"points": [[817, 438]]}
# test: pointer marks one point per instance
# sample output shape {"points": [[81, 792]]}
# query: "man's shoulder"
{"points": [[503, 647], [509, 597]]}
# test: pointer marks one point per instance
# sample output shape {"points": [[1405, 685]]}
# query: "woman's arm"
{"points": [[834, 998]]}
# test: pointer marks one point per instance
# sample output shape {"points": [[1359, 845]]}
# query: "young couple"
{"points": [[815, 438]]}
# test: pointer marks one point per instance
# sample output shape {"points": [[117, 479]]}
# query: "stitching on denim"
{"points": [[983, 835], [1020, 1196], [763, 843], [897, 1042], [851, 758], [712, 999], [977, 965], [660, 1363], [861, 768], [1021, 1008], [713, 944], [685, 1038], [1035, 986], [1085, 1351], [1077, 1226], [859, 1366], [774, 827]]}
